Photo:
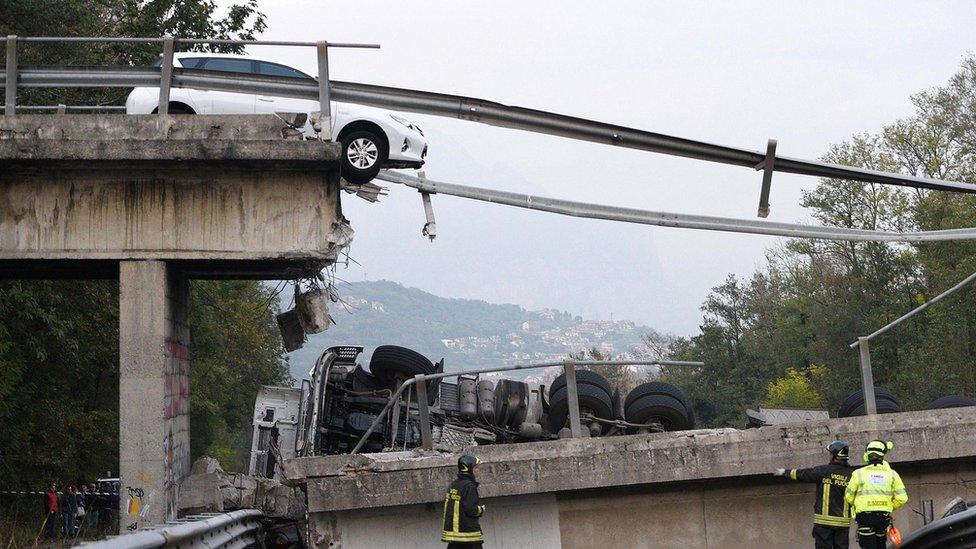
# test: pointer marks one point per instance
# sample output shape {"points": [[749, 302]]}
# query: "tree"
{"points": [[794, 390], [761, 336]]}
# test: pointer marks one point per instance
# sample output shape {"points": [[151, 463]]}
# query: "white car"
{"points": [[371, 138]]}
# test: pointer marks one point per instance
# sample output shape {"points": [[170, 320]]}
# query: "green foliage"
{"points": [[59, 375], [235, 348], [815, 297], [794, 390]]}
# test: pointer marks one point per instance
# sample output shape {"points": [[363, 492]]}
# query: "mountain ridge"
{"points": [[467, 333]]}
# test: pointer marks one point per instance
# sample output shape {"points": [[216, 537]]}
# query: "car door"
{"points": [[222, 102], [272, 104]]}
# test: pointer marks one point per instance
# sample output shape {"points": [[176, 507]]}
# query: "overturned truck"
{"points": [[336, 409]]}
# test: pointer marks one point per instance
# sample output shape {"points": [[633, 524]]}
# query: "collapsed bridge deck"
{"points": [[700, 488]]}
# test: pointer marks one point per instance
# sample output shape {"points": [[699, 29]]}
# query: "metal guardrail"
{"points": [[668, 219], [163, 76], [864, 347], [233, 530], [569, 368], [437, 104]]}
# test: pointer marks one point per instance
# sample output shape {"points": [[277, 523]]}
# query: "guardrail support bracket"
{"points": [[325, 92], [426, 440], [10, 90], [430, 227], [867, 376], [767, 180], [166, 75], [573, 398]]}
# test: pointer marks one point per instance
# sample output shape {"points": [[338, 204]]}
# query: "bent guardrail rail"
{"points": [[233, 530]]}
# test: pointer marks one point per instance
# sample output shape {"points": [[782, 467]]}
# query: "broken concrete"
{"points": [[209, 489]]}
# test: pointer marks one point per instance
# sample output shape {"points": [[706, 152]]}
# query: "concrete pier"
{"points": [[154, 391], [156, 201]]}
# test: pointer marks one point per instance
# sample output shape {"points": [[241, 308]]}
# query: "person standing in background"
{"points": [[50, 512]]}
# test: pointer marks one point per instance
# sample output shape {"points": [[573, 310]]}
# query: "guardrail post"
{"points": [[10, 94], [867, 376], [426, 440], [767, 179], [569, 367], [325, 92], [166, 75]]}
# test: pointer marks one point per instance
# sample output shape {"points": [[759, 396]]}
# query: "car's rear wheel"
{"points": [[363, 154], [176, 108]]}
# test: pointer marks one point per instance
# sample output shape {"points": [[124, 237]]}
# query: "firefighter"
{"points": [[462, 508], [874, 492], [831, 516]]}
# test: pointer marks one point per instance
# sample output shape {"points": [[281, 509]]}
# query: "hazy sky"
{"points": [[807, 74]]}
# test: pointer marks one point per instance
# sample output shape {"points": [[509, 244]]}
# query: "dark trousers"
{"points": [[830, 537], [872, 529], [51, 526], [475, 545]]}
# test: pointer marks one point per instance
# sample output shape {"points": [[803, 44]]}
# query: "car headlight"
{"points": [[407, 123]]}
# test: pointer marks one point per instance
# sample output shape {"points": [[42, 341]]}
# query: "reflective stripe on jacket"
{"points": [[461, 512], [829, 508], [876, 487]]}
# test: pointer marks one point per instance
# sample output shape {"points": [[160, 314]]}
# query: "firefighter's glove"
{"points": [[779, 472]]}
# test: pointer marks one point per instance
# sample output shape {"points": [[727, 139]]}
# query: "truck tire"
{"points": [[951, 401], [660, 388], [582, 376], [855, 401], [671, 412], [590, 397], [884, 405], [390, 361]]}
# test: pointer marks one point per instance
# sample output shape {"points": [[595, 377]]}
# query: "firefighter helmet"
{"points": [[839, 449], [467, 462]]}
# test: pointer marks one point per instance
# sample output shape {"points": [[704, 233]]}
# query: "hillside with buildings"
{"points": [[466, 333]]}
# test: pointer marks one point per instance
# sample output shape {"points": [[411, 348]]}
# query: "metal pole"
{"points": [[574, 414], [426, 440], [10, 94], [165, 75], [867, 377], [325, 97]]}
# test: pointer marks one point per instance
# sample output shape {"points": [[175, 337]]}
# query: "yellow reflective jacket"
{"points": [[875, 488]]}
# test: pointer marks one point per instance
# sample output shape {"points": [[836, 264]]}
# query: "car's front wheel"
{"points": [[363, 154]]}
